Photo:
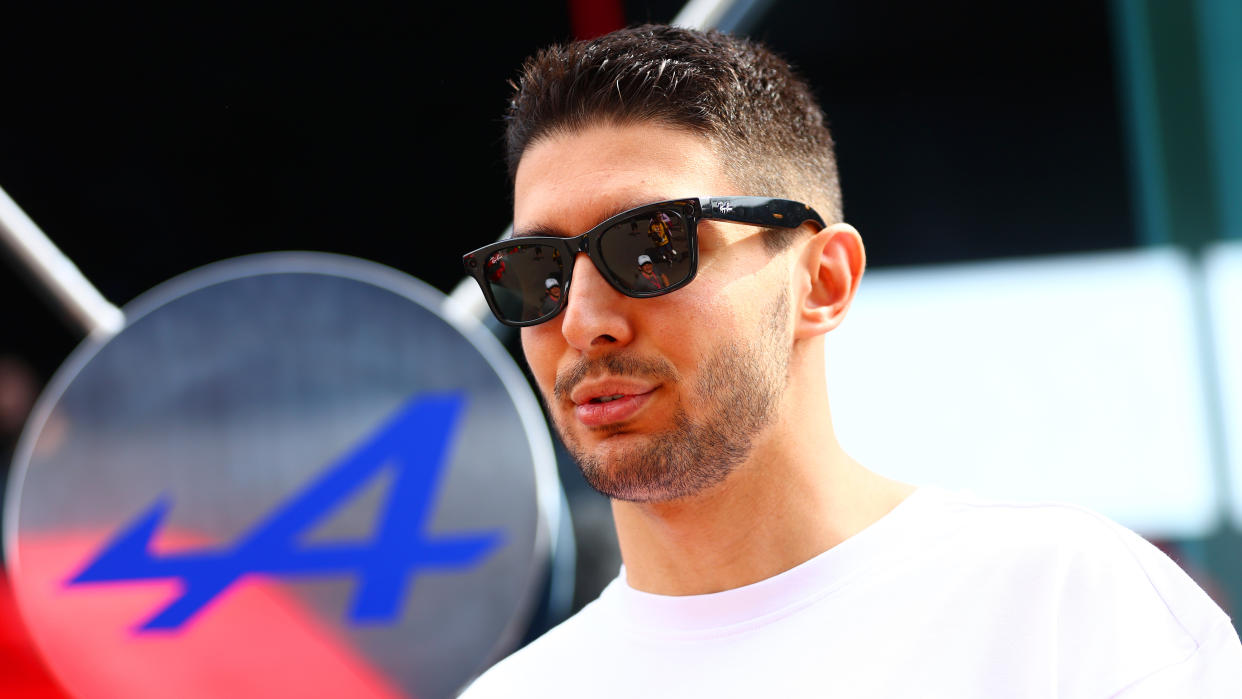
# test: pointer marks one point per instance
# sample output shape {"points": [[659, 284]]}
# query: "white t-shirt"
{"points": [[946, 596]]}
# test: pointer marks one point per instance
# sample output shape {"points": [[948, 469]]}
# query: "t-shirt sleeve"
{"points": [[1136, 626], [1213, 671]]}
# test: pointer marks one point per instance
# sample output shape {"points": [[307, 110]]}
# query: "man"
{"points": [[658, 230], [759, 558], [552, 295], [648, 278]]}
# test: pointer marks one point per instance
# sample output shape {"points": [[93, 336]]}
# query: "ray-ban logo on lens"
{"points": [[413, 443]]}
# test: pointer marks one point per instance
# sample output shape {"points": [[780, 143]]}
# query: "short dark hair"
{"points": [[766, 127]]}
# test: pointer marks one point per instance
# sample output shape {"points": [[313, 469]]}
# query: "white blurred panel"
{"points": [[1223, 266], [1074, 379]]}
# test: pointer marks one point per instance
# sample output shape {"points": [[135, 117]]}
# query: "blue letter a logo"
{"points": [[414, 443]]}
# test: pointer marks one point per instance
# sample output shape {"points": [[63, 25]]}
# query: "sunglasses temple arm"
{"points": [[759, 211]]}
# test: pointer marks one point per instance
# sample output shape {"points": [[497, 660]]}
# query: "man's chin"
{"points": [[610, 449], [599, 442], [634, 467]]}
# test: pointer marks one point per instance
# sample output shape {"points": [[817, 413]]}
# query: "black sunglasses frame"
{"points": [[755, 211]]}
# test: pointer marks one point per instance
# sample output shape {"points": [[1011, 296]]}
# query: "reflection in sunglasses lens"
{"points": [[525, 280], [648, 253]]}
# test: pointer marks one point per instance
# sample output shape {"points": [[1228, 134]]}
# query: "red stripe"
{"points": [[592, 18]]}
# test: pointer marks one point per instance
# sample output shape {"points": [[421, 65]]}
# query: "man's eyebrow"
{"points": [[620, 208], [536, 230]]}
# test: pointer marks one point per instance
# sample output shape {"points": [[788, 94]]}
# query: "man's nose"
{"points": [[596, 316]]}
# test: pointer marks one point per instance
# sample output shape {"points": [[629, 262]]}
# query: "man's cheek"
{"points": [[542, 369]]}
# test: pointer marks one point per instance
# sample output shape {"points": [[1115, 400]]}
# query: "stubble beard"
{"points": [[742, 382]]}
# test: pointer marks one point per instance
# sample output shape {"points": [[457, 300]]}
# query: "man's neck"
{"points": [[790, 501]]}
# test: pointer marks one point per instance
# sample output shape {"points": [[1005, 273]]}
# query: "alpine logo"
{"points": [[413, 443]]}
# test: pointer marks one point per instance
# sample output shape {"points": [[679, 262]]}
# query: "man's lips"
{"points": [[611, 412], [599, 403]]}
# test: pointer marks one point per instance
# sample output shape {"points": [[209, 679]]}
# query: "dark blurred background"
{"points": [[149, 141]]}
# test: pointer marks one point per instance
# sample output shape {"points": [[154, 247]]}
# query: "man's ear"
{"points": [[832, 262]]}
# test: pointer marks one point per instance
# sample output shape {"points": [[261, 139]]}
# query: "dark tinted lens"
{"points": [[526, 280], [649, 252]]}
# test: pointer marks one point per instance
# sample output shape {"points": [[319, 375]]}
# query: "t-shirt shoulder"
{"points": [[1080, 538], [1116, 596], [519, 674]]}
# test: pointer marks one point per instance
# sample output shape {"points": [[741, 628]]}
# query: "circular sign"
{"points": [[290, 474]]}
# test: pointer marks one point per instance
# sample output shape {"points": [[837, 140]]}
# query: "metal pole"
{"points": [[80, 301]]}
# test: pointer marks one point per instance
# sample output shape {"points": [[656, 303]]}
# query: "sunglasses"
{"points": [[644, 252]]}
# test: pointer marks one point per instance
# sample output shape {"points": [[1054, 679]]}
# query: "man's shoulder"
{"points": [[1064, 536], [1105, 586], [543, 659], [1040, 529]]}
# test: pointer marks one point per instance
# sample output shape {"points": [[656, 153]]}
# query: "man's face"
{"points": [[554, 292], [647, 268], [656, 398]]}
